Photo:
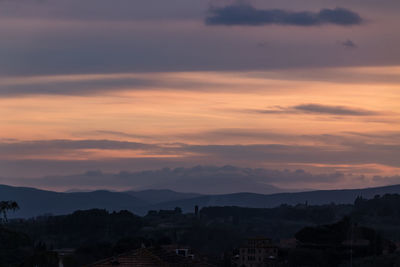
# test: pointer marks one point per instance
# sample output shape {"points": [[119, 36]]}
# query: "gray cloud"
{"points": [[120, 134], [330, 150], [50, 146], [91, 86], [271, 136], [349, 44], [334, 110], [87, 48], [99, 36], [318, 109], [245, 14], [393, 136], [387, 180], [40, 167], [349, 153], [92, 10], [73, 87]]}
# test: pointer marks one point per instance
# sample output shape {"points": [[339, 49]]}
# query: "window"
{"points": [[251, 251], [251, 258]]}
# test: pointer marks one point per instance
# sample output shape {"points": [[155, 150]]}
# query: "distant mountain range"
{"points": [[34, 202], [214, 180], [161, 196]]}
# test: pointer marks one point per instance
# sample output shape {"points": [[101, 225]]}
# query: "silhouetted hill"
{"points": [[34, 202], [319, 197], [154, 196], [198, 179]]}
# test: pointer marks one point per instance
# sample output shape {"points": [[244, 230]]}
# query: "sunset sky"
{"points": [[126, 85]]}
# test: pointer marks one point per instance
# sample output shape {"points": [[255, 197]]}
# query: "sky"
{"points": [[297, 93]]}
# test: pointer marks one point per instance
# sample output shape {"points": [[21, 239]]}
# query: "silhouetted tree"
{"points": [[5, 206]]}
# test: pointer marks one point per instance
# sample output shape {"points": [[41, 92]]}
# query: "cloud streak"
{"points": [[92, 84], [50, 146], [346, 151], [334, 110], [312, 108], [86, 87], [247, 15]]}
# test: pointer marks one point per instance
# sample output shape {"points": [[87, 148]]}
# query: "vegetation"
{"points": [[323, 233], [6, 206]]}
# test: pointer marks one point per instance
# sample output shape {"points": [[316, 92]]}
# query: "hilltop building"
{"points": [[257, 252]]}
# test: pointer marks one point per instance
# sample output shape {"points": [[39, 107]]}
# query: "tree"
{"points": [[5, 206]]}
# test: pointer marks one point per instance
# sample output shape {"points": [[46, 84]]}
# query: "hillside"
{"points": [[35, 202], [319, 197], [154, 196]]}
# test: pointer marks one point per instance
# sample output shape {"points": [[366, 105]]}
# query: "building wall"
{"points": [[258, 253]]}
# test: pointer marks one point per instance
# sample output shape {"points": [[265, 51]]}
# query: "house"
{"points": [[150, 257], [257, 252]]}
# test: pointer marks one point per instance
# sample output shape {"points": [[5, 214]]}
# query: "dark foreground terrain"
{"points": [[365, 233]]}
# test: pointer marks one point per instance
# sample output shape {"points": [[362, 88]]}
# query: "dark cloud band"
{"points": [[244, 14], [319, 109], [347, 151], [334, 110]]}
